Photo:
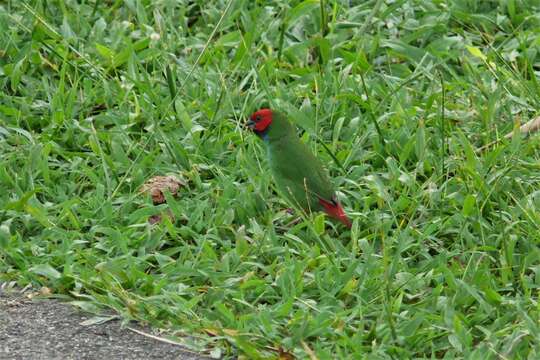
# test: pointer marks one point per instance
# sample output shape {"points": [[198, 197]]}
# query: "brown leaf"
{"points": [[157, 218], [44, 291], [310, 352], [211, 332], [154, 219], [230, 332], [284, 354], [526, 129], [157, 185], [220, 332]]}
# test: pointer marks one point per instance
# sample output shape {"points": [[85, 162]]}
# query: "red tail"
{"points": [[334, 209]]}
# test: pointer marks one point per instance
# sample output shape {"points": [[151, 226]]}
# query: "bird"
{"points": [[299, 176]]}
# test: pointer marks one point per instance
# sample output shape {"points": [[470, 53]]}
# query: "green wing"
{"points": [[298, 174]]}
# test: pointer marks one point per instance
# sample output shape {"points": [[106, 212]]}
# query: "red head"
{"points": [[260, 120]]}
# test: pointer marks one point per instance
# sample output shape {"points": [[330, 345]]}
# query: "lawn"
{"points": [[405, 102]]}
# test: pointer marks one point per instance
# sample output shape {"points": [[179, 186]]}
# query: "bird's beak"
{"points": [[250, 124]]}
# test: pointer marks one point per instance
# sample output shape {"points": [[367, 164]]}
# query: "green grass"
{"points": [[443, 259]]}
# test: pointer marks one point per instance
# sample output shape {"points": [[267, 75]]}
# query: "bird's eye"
{"points": [[258, 118]]}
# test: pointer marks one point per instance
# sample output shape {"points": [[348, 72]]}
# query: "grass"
{"points": [[443, 258]]}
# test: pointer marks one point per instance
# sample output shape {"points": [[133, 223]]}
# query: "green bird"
{"points": [[299, 176]]}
